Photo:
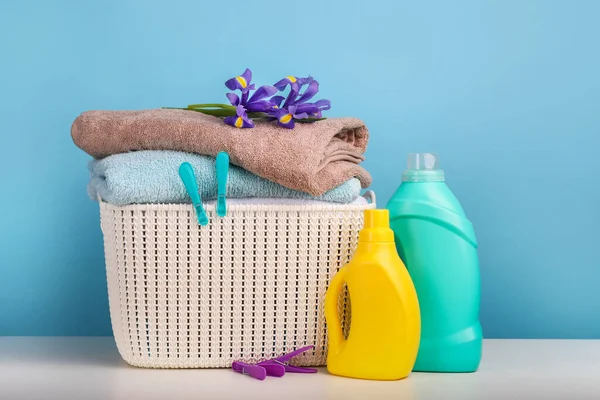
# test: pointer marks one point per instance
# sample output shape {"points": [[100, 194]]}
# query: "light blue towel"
{"points": [[153, 177]]}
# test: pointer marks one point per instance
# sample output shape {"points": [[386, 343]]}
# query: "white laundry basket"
{"points": [[250, 286]]}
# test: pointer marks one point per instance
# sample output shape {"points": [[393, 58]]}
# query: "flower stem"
{"points": [[305, 120], [211, 105], [257, 115]]}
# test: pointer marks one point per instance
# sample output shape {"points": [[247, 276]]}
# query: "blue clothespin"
{"points": [[186, 173], [222, 178]]}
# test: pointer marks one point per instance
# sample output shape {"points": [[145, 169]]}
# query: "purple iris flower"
{"points": [[296, 85], [262, 102], [309, 93], [314, 110], [258, 102], [292, 99], [292, 80], [302, 101], [241, 120], [276, 101], [286, 118], [241, 82]]}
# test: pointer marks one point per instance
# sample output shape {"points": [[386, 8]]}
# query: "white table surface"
{"points": [[91, 368]]}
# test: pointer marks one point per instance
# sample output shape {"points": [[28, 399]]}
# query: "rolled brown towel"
{"points": [[313, 157]]}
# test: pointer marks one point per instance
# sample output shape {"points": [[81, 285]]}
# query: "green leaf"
{"points": [[307, 120], [211, 105], [215, 112], [257, 115]]}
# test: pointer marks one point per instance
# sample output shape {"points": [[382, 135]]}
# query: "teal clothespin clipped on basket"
{"points": [[186, 173], [222, 177]]}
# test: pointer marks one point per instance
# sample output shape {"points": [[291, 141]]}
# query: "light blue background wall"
{"points": [[507, 92]]}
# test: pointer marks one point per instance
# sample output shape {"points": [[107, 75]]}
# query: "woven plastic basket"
{"points": [[250, 286]]}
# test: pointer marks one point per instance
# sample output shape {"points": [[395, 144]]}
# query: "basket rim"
{"points": [[184, 207]]}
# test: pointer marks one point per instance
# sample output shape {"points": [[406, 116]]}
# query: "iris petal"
{"points": [[240, 110], [247, 75], [323, 104], [285, 118], [230, 120], [309, 108], [280, 85], [262, 92], [248, 123], [304, 81], [233, 84], [291, 98], [241, 82], [259, 106], [309, 93], [276, 100], [239, 122], [233, 99], [289, 125]]}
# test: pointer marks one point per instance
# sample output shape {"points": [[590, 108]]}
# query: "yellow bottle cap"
{"points": [[376, 227]]}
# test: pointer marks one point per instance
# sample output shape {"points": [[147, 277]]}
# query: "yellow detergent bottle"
{"points": [[385, 325]]}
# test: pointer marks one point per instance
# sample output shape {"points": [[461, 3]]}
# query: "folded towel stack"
{"points": [[151, 177], [138, 154]]}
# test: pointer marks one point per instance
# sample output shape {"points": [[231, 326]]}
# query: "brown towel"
{"points": [[312, 158]]}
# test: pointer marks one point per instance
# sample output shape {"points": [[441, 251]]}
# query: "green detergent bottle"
{"points": [[437, 243]]}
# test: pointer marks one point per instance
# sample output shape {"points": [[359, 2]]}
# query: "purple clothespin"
{"points": [[284, 360], [259, 372], [275, 367], [254, 371]]}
